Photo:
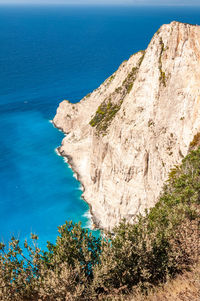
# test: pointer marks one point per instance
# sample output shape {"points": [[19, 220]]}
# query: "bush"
{"points": [[19, 273], [64, 272], [163, 242], [104, 115]]}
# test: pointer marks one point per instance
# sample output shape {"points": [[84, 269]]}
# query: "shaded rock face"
{"points": [[123, 139]]}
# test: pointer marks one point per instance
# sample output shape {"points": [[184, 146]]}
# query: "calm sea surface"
{"points": [[48, 54]]}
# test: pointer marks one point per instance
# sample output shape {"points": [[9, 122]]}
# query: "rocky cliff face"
{"points": [[123, 139]]}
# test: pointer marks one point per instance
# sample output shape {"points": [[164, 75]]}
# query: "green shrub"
{"points": [[104, 115], [111, 77], [19, 274], [162, 77], [195, 142], [63, 272], [107, 110], [161, 243]]}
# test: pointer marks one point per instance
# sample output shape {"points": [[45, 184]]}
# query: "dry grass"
{"points": [[185, 287]]}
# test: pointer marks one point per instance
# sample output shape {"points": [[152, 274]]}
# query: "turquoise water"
{"points": [[48, 54]]}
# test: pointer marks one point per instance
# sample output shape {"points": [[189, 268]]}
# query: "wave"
{"points": [[51, 121], [66, 161], [75, 175], [80, 188], [89, 225], [57, 152], [87, 214]]}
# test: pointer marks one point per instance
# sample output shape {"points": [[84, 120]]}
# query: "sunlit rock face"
{"points": [[123, 139]]}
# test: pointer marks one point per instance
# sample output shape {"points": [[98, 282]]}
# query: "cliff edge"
{"points": [[123, 138]]}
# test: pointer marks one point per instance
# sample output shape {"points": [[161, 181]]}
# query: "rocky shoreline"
{"points": [[95, 223]]}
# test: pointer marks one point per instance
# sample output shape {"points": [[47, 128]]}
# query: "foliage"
{"points": [[183, 287], [61, 273], [195, 142], [111, 77], [163, 242], [107, 109], [74, 244], [162, 77], [128, 82], [19, 273], [104, 115], [142, 57]]}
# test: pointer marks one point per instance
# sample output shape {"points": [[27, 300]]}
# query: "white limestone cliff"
{"points": [[123, 158]]}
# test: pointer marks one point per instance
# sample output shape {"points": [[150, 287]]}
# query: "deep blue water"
{"points": [[48, 54]]}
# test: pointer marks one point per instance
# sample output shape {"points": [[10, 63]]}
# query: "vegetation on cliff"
{"points": [[104, 115], [108, 109], [162, 77], [138, 257]]}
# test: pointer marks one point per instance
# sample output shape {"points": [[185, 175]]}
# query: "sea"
{"points": [[47, 54]]}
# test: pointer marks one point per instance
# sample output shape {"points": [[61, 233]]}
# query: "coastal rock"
{"points": [[124, 138]]}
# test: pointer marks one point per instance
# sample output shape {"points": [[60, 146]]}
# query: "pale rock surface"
{"points": [[123, 168]]}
